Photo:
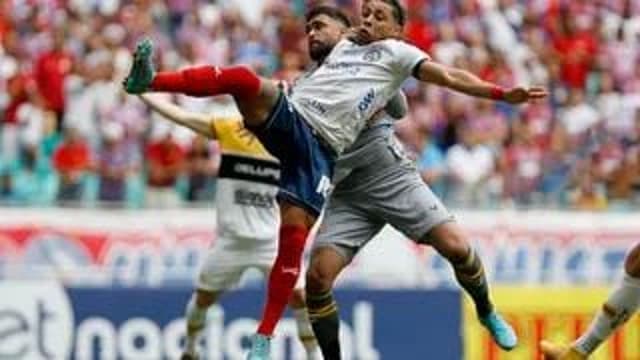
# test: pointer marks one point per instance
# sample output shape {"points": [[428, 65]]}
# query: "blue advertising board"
{"points": [[45, 321]]}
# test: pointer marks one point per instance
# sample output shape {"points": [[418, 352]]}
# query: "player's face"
{"points": [[323, 33], [378, 22]]}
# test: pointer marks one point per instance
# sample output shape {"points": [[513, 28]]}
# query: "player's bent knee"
{"points": [[449, 240], [632, 262], [318, 280], [205, 298]]}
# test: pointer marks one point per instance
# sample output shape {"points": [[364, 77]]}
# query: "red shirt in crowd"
{"points": [[71, 157], [577, 53], [17, 89], [51, 70], [165, 159]]}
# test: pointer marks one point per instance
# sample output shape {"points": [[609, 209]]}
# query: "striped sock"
{"points": [[470, 275], [325, 320]]}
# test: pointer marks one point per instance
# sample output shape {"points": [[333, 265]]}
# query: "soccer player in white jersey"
{"points": [[377, 184], [307, 130], [622, 304], [247, 220]]}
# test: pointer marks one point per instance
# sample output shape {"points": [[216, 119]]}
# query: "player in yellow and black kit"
{"points": [[247, 217]]}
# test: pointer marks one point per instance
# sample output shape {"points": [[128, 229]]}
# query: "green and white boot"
{"points": [[142, 71]]}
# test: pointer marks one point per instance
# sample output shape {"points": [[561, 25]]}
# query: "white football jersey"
{"points": [[353, 83]]}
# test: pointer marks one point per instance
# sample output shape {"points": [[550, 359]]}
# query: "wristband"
{"points": [[497, 93]]}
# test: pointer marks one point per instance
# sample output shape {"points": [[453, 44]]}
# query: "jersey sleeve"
{"points": [[406, 57], [233, 137], [230, 133], [225, 130]]}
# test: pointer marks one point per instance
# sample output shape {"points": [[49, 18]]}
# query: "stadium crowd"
{"points": [[69, 135]]}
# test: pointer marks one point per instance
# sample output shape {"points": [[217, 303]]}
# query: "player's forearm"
{"points": [[174, 113], [458, 80], [468, 83]]}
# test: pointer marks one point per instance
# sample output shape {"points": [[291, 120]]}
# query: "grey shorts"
{"points": [[401, 199]]}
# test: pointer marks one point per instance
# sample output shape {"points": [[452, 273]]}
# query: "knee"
{"points": [[205, 299], [318, 280], [632, 262], [451, 243]]}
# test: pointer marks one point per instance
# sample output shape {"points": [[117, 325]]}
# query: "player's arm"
{"points": [[468, 83], [397, 107], [200, 123]]}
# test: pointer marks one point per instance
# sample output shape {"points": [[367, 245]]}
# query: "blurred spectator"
{"points": [[488, 124], [521, 165], [576, 47], [578, 120], [470, 166], [448, 47], [201, 168], [292, 64], [17, 86], [165, 163], [115, 163], [589, 195], [432, 165], [72, 160], [419, 31], [50, 71]]}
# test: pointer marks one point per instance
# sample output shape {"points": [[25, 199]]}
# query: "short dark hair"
{"points": [[398, 11], [330, 11]]}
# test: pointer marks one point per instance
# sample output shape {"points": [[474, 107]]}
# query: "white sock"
{"points": [[196, 319], [620, 306], [305, 333]]}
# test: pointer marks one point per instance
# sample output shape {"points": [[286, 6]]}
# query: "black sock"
{"points": [[325, 321], [470, 275]]}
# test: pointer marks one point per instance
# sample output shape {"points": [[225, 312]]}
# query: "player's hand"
{"points": [[521, 95]]}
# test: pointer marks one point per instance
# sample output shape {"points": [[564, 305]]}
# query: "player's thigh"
{"points": [[221, 270], [255, 111], [345, 227], [410, 206]]}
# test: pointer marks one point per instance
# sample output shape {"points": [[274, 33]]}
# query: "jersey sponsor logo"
{"points": [[257, 199], [250, 169], [315, 106], [345, 67], [366, 102], [372, 55], [324, 186]]}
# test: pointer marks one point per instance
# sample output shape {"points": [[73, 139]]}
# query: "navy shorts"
{"points": [[306, 163]]}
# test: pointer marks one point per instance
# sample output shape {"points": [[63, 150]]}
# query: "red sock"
{"points": [[283, 276], [201, 81]]}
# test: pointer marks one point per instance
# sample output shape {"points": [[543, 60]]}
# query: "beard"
{"points": [[319, 52]]}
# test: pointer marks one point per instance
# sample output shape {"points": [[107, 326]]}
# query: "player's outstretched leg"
{"points": [[325, 265], [200, 81], [296, 224], [450, 242], [621, 305], [254, 96], [303, 325], [196, 315]]}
